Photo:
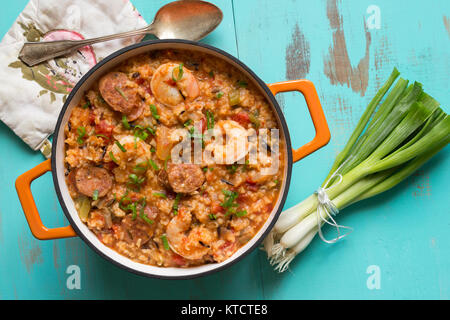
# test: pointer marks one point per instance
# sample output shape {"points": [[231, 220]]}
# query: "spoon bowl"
{"points": [[189, 20]]}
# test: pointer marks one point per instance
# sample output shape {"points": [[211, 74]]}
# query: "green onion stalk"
{"points": [[392, 139]]}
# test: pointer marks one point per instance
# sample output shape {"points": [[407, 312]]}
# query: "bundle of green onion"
{"points": [[389, 143]]}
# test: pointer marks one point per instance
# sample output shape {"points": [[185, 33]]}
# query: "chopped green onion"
{"points": [[232, 168], [229, 202], [179, 74], [241, 213], [187, 123], [152, 149], [124, 198], [219, 94], [111, 155], [165, 162], [121, 147], [205, 169], [209, 120], [95, 195], [160, 195], [121, 93], [81, 134], [151, 130], [211, 74], [175, 203], [141, 167], [86, 105], [154, 112], [102, 136], [140, 133], [165, 242], [242, 84], [213, 216], [135, 179], [132, 207], [147, 219], [125, 123], [245, 167], [153, 164]]}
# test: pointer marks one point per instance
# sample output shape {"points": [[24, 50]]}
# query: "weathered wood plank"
{"points": [[333, 43]]}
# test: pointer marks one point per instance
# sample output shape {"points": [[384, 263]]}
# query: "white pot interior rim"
{"points": [[68, 204]]}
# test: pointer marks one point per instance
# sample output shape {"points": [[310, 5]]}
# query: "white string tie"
{"points": [[329, 209]]}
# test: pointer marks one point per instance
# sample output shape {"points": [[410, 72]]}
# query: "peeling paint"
{"points": [[382, 58], [55, 255], [447, 24], [298, 56], [30, 252], [422, 184], [337, 64]]}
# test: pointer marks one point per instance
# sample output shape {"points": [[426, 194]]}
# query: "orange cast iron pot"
{"points": [[56, 164]]}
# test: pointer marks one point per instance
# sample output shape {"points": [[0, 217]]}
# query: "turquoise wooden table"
{"points": [[400, 247]]}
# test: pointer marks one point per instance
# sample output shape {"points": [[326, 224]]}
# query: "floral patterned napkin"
{"points": [[31, 98]]}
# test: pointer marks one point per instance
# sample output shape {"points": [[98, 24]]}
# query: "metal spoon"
{"points": [[185, 19]]}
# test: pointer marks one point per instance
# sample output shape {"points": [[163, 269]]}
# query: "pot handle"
{"points": [[308, 90], [23, 187]]}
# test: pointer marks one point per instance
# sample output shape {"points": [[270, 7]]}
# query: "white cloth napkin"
{"points": [[31, 98]]}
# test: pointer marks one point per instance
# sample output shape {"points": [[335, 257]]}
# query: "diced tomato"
{"points": [[243, 199], [91, 117], [140, 81], [242, 118], [227, 246], [170, 82], [251, 185], [217, 208], [178, 260], [250, 181], [134, 197], [104, 128]]}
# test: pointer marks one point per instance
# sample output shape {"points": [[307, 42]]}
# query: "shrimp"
{"points": [[137, 152], [233, 147], [194, 245], [171, 91]]}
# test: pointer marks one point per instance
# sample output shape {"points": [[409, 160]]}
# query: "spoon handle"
{"points": [[33, 53]]}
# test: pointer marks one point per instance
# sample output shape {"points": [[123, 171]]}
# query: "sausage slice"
{"points": [[184, 177], [89, 179], [123, 98]]}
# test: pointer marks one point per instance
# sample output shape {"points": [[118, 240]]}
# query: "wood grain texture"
{"points": [[337, 65], [405, 232]]}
